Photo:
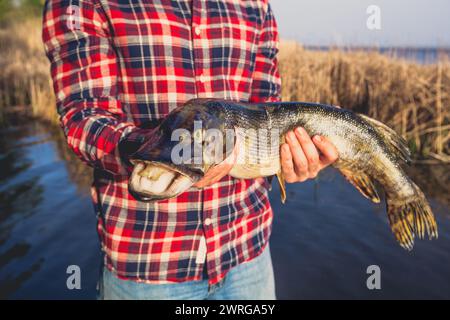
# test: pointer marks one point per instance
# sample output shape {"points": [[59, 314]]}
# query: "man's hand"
{"points": [[302, 157], [219, 171], [215, 174]]}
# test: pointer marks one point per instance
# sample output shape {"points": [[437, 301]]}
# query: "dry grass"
{"points": [[24, 78], [413, 99]]}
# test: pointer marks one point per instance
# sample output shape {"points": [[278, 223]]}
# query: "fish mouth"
{"points": [[153, 181]]}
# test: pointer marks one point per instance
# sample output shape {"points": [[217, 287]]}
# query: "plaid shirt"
{"points": [[120, 65]]}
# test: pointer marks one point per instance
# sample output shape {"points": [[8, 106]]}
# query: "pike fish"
{"points": [[370, 154]]}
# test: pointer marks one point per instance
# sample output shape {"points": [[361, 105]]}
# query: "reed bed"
{"points": [[24, 79], [412, 98]]}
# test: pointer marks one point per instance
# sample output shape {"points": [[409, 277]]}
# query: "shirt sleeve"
{"points": [[84, 70], [266, 85]]}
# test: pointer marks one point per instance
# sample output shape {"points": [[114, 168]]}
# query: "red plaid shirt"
{"points": [[119, 65]]}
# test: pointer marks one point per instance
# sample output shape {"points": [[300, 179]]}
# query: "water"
{"points": [[324, 237], [46, 222]]}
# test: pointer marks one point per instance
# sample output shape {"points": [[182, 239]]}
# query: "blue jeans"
{"points": [[250, 280]]}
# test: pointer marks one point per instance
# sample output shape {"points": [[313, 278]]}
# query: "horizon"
{"points": [[375, 47]]}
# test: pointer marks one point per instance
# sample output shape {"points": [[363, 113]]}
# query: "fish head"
{"points": [[190, 140]]}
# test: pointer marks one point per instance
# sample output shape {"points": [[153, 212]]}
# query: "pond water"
{"points": [[323, 239]]}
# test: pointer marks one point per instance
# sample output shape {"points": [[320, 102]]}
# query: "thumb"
{"points": [[329, 153]]}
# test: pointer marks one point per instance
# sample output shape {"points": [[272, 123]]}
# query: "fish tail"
{"points": [[411, 218]]}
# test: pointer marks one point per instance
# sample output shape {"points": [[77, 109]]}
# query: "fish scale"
{"points": [[370, 154]]}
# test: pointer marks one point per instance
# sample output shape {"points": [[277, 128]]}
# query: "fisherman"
{"points": [[118, 68]]}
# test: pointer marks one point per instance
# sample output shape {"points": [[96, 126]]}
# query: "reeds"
{"points": [[24, 79], [413, 99]]}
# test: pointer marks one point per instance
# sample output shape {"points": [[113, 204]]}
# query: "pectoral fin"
{"points": [[282, 186], [363, 183]]}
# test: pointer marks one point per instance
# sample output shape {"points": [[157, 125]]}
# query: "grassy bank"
{"points": [[414, 99]]}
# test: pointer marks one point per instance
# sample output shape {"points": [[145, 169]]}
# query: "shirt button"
{"points": [[202, 78], [207, 221], [197, 31]]}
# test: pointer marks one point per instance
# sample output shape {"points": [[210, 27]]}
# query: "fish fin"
{"points": [[269, 181], [394, 141], [282, 186], [363, 183], [411, 218]]}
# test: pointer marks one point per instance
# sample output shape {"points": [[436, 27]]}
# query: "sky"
{"points": [[415, 23]]}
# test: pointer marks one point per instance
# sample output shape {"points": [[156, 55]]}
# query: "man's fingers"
{"points": [[329, 153], [214, 175], [298, 156], [309, 150], [287, 164]]}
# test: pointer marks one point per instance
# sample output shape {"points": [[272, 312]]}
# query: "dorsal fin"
{"points": [[393, 140]]}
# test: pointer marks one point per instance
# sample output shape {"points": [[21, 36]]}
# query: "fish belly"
{"points": [[259, 154]]}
